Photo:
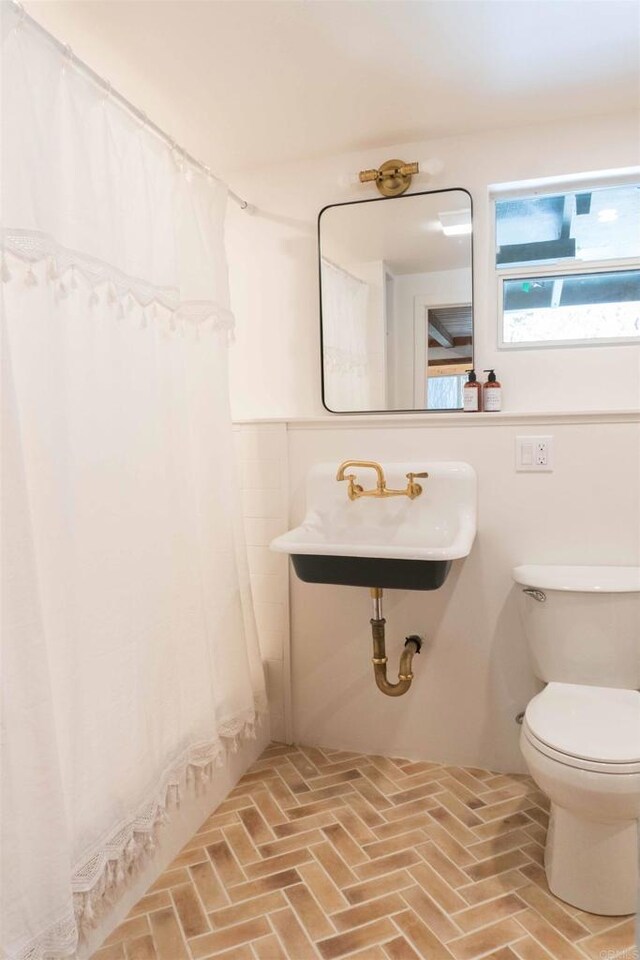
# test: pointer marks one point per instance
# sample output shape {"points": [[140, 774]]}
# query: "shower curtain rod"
{"points": [[130, 107]]}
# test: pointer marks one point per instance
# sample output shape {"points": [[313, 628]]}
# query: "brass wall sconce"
{"points": [[393, 178]]}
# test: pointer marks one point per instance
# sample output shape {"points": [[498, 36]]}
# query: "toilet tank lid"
{"points": [[580, 579]]}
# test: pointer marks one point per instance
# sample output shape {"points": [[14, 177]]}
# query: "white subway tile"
{"points": [[267, 562], [263, 503], [269, 588], [261, 444], [271, 644], [261, 474], [260, 532], [270, 617], [277, 727]]}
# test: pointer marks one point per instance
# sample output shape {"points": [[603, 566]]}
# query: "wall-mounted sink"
{"points": [[393, 542]]}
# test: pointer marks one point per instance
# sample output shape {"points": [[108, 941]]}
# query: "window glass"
{"points": [[573, 307], [585, 225]]}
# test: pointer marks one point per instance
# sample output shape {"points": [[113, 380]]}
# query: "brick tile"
{"points": [[548, 907], [487, 938], [400, 949], [137, 927], [442, 865], [350, 851], [421, 937], [241, 844], [277, 864], [334, 865], [321, 853], [492, 887], [433, 884], [323, 888], [255, 825], [494, 865], [402, 841], [352, 940], [208, 886], [308, 912], [153, 901], [141, 948], [229, 937], [368, 911], [376, 888], [167, 936], [254, 888], [547, 936], [268, 948], [394, 861], [190, 914], [225, 863], [293, 938], [248, 909], [615, 942], [485, 913], [114, 952], [430, 913]]}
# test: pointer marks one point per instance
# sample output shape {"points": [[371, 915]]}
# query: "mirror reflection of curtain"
{"points": [[347, 360], [445, 393]]}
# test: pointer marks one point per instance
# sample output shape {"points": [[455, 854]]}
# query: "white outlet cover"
{"points": [[534, 454]]}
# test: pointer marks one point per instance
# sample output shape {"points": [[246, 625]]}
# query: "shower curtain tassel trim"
{"points": [[102, 876]]}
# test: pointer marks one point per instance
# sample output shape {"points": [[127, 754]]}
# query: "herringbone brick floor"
{"points": [[325, 854]]}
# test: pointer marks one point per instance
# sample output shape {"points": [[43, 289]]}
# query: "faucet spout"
{"points": [[340, 475]]}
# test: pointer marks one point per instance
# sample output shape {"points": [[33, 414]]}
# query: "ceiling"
{"points": [[243, 83]]}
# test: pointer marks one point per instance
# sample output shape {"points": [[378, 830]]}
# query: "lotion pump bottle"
{"points": [[492, 393], [472, 394]]}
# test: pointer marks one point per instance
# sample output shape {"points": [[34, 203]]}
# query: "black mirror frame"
{"points": [[351, 203]]}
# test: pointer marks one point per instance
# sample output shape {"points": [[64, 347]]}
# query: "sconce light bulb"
{"points": [[347, 180], [432, 166]]}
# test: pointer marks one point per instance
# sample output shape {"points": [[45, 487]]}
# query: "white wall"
{"points": [[473, 675], [419, 292], [262, 460], [275, 362]]}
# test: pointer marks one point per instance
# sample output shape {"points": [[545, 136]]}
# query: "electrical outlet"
{"points": [[534, 454]]}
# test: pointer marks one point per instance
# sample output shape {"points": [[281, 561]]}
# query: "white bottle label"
{"points": [[470, 399], [493, 399]]}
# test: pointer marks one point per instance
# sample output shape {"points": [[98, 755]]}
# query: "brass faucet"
{"points": [[356, 490]]}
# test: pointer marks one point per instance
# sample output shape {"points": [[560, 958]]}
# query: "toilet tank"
{"points": [[582, 624]]}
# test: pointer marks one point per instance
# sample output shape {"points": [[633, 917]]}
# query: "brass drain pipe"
{"points": [[411, 647]]}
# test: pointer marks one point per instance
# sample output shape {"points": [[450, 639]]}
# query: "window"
{"points": [[568, 267]]}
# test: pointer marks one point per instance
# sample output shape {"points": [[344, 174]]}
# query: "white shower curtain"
{"points": [[129, 655], [345, 340]]}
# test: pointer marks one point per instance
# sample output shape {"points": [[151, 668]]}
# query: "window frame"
{"points": [[561, 268]]}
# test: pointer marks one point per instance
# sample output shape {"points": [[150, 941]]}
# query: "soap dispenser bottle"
{"points": [[492, 393], [472, 394]]}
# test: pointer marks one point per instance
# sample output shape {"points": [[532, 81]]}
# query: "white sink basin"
{"points": [[404, 543]]}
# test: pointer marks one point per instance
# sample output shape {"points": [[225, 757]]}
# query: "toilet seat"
{"points": [[591, 728]]}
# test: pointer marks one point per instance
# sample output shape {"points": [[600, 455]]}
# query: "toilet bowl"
{"points": [[582, 747], [581, 735]]}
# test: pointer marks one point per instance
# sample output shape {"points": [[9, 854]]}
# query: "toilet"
{"points": [[581, 735]]}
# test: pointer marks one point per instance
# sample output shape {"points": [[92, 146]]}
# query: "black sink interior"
{"points": [[371, 571]]}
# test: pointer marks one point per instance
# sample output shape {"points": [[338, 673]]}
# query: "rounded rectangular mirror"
{"points": [[396, 299]]}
